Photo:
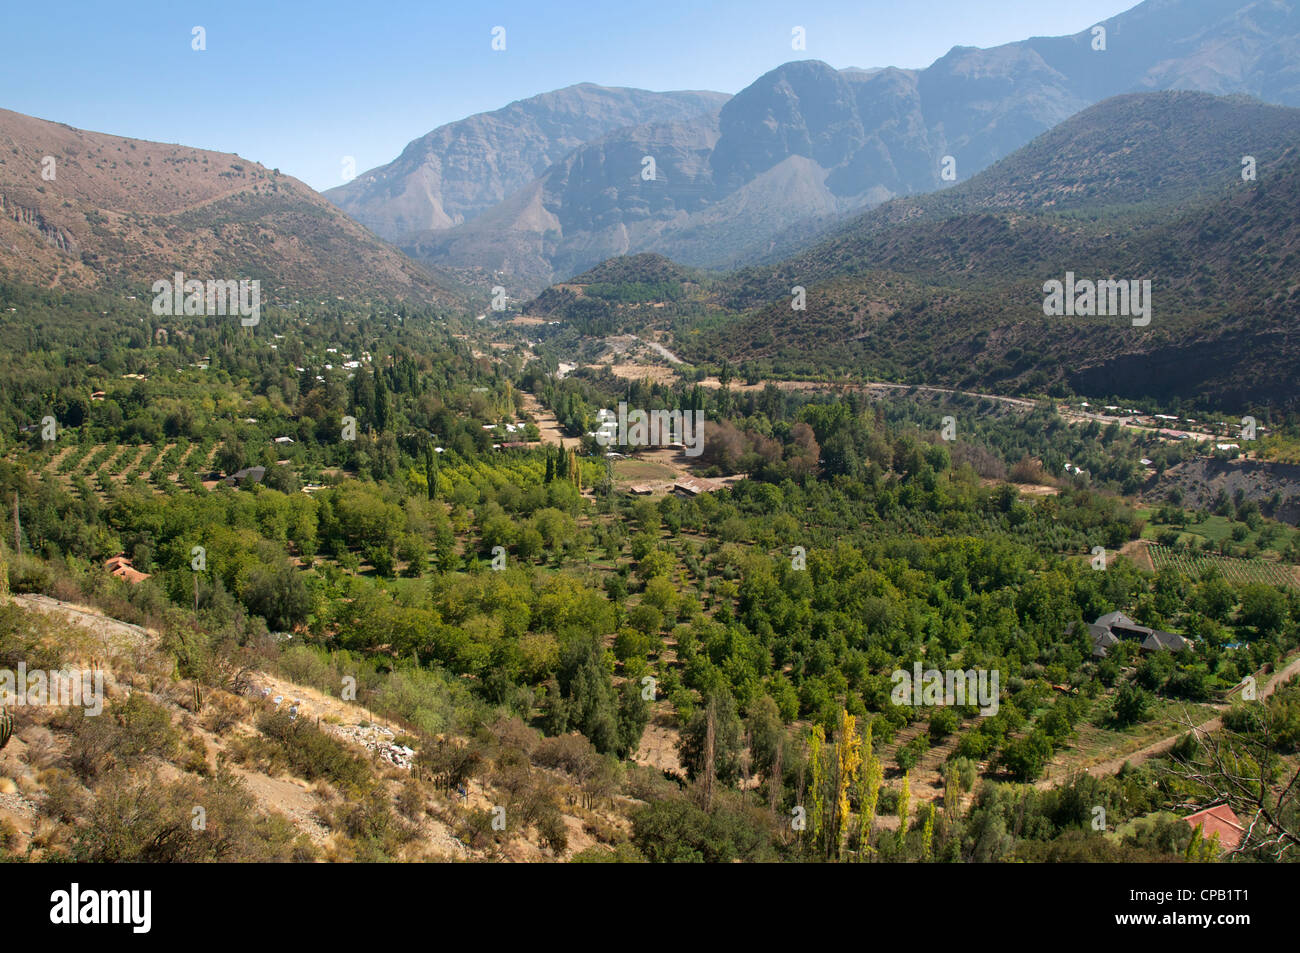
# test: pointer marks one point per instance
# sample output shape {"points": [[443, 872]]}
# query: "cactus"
{"points": [[6, 727], [198, 699]]}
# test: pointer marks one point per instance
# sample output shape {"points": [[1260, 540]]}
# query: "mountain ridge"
{"points": [[431, 185], [866, 135], [90, 210]]}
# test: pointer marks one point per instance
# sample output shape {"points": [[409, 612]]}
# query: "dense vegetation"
{"points": [[513, 597]]}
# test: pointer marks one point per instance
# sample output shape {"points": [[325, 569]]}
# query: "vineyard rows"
{"points": [[1231, 568]]}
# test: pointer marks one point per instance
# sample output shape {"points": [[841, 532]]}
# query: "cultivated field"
{"points": [[163, 466], [1194, 565]]}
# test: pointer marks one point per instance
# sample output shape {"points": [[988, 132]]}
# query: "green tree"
{"points": [[586, 686], [727, 739], [633, 716], [1131, 704]]}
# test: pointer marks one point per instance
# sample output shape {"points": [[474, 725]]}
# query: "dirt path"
{"points": [[659, 349], [1135, 758], [547, 424], [112, 633], [1137, 551]]}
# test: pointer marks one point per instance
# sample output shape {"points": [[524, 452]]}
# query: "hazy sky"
{"points": [[298, 86]]}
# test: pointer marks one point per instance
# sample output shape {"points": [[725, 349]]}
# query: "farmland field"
{"points": [[641, 470], [1274, 536], [1194, 565]]}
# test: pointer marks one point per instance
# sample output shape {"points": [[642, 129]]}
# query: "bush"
{"points": [[308, 751], [943, 723], [552, 831], [677, 831], [623, 853], [146, 820], [1131, 704], [130, 730]]}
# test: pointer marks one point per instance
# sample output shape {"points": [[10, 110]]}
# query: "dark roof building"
{"points": [[1124, 627], [1102, 638], [1113, 627], [256, 474], [1115, 618], [1159, 641]]}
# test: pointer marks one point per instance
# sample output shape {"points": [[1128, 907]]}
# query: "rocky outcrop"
{"points": [[378, 739], [53, 235], [1202, 482], [456, 172]]}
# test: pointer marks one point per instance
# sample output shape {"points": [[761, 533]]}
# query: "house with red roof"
{"points": [[1220, 820], [120, 566]]}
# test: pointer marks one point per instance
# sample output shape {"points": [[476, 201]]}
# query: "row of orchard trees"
{"points": [[845, 773], [825, 791]]}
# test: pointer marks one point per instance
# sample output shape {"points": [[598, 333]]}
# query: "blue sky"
{"points": [[298, 86]]}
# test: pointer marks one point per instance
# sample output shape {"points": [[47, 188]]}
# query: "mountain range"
{"points": [[459, 170], [949, 287], [1072, 155], [749, 178]]}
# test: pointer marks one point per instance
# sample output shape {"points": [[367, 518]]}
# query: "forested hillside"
{"points": [[948, 288], [676, 517]]}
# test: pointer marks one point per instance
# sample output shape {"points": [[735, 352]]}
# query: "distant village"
{"points": [[1169, 427]]}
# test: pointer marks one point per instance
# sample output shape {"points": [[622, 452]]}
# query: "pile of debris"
{"points": [[370, 736], [378, 739], [253, 690]]}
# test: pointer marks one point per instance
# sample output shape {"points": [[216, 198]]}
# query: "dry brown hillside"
{"points": [[281, 770], [115, 213]]}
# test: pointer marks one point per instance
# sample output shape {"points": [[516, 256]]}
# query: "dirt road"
{"points": [[548, 425], [1113, 765], [659, 349], [113, 634]]}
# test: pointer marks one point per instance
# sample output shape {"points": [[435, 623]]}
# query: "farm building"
{"points": [[1113, 627], [694, 486], [120, 566], [1102, 638], [256, 474], [1221, 820]]}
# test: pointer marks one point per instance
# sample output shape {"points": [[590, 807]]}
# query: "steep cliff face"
{"points": [[54, 235], [459, 170], [809, 143]]}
